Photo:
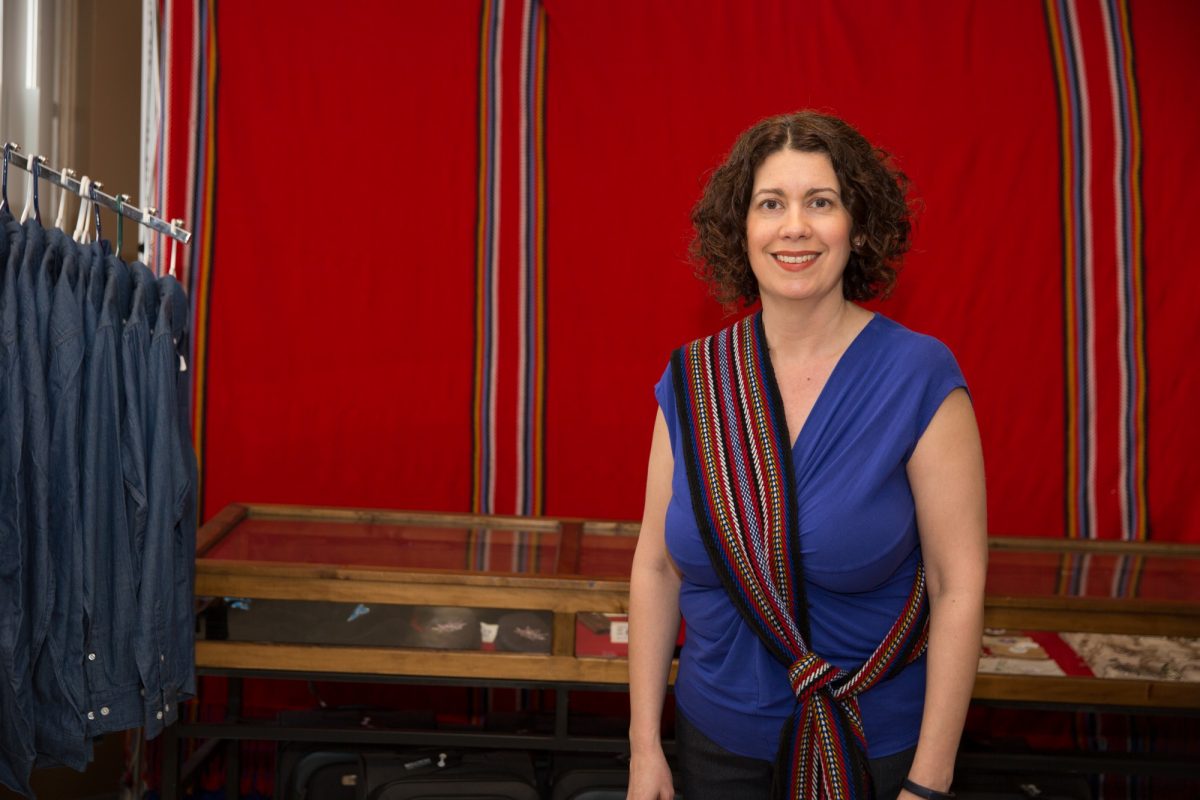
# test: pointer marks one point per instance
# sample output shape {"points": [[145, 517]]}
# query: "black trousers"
{"points": [[710, 772]]}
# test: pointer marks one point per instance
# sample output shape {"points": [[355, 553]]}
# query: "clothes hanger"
{"points": [[29, 191], [31, 202], [96, 207], [150, 244], [37, 208], [121, 200], [174, 245], [8, 148], [62, 200], [81, 220]]}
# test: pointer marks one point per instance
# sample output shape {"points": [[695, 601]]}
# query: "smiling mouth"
{"points": [[794, 261]]}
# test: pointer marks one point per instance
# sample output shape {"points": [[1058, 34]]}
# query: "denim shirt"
{"points": [[58, 679], [16, 712], [93, 294], [135, 439], [135, 346], [58, 245], [171, 486], [184, 628], [110, 585], [35, 442]]}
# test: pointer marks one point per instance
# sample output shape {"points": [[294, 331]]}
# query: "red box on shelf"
{"points": [[601, 635], [606, 635]]}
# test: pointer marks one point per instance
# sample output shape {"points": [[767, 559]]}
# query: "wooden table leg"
{"points": [[170, 764], [233, 747]]}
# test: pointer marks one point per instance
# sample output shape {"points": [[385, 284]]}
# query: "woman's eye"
{"points": [[822, 202], [770, 204]]}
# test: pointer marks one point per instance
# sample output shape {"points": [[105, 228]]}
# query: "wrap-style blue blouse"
{"points": [[859, 541]]}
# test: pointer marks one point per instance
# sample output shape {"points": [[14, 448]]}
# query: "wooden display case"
{"points": [[402, 561], [570, 571]]}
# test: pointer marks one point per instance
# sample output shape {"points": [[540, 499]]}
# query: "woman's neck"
{"points": [[794, 332]]}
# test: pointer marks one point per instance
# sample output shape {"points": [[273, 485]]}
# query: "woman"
{"points": [[814, 501]]}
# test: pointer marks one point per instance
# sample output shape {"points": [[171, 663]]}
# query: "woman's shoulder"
{"points": [[898, 341]]}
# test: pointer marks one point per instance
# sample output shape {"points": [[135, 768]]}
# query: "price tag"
{"points": [[618, 632]]}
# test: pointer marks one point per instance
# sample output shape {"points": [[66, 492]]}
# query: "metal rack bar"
{"points": [[18, 159]]}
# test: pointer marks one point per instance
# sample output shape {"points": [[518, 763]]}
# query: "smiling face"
{"points": [[797, 228]]}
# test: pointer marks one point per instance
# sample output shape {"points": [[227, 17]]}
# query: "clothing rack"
{"points": [[146, 217]]}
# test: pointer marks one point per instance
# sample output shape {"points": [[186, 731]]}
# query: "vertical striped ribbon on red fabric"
{"points": [[1104, 356], [509, 381], [508, 416], [202, 189], [180, 159]]}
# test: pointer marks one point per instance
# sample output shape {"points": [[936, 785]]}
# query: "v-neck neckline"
{"points": [[818, 403]]}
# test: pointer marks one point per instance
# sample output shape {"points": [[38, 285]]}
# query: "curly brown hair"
{"points": [[873, 190]]}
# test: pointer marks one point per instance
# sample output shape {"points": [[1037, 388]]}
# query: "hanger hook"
{"points": [[81, 220], [121, 200], [8, 148], [175, 223], [67, 173], [32, 163], [120, 224], [37, 163], [149, 248], [96, 207]]}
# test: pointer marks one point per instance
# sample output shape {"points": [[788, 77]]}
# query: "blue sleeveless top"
{"points": [[858, 534]]}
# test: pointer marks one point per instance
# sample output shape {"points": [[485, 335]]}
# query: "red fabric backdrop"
{"points": [[340, 317], [629, 155], [344, 306], [1169, 63]]}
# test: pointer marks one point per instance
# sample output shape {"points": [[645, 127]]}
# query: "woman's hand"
{"points": [[650, 777]]}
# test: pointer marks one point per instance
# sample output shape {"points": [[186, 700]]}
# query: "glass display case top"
{"points": [[538, 546], [1082, 573], [391, 545]]}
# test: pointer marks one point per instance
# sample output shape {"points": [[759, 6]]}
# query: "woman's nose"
{"points": [[795, 224]]}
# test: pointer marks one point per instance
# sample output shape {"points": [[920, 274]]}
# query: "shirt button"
{"points": [[104, 711], [91, 715], [91, 656], [158, 715], [167, 707]]}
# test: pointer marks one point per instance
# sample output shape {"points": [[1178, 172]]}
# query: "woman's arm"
{"points": [[653, 628], [946, 474]]}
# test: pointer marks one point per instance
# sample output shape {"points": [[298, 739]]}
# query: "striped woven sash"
{"points": [[742, 480]]}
